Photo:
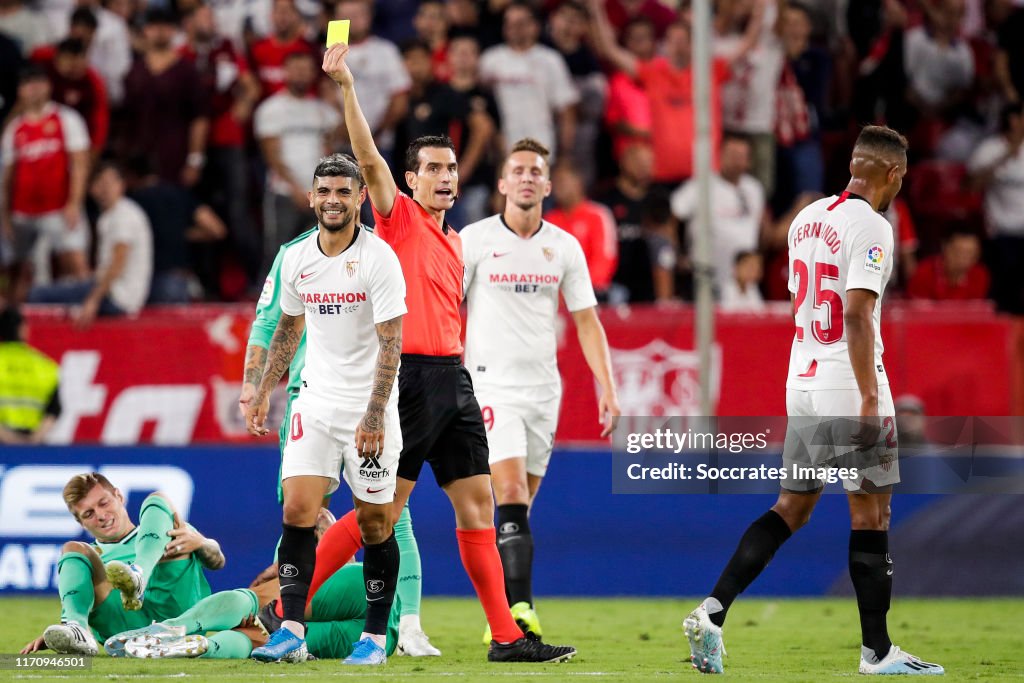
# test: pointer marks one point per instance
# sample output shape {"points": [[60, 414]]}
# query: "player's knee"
{"points": [[512, 493], [300, 513], [374, 525], [795, 512], [869, 520]]}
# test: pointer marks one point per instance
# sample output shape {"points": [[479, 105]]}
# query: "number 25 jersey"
{"points": [[836, 244]]}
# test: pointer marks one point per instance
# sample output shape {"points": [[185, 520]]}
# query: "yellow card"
{"points": [[337, 32]]}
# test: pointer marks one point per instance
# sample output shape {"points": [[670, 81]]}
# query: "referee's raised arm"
{"points": [[379, 180]]}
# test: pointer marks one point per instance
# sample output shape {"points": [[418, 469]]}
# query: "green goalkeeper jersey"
{"points": [[174, 586]]}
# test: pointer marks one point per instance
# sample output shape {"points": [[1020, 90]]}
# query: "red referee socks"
{"points": [[336, 548], [479, 553]]}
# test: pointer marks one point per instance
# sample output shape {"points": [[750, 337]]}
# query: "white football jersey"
{"points": [[836, 244], [512, 287], [342, 297]]}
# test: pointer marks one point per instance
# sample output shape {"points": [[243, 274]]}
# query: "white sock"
{"points": [[380, 639], [299, 630], [409, 622]]}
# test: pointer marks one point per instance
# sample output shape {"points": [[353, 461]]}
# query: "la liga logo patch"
{"points": [[874, 258], [875, 254]]}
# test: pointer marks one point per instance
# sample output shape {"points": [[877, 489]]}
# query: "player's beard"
{"points": [[343, 222]]}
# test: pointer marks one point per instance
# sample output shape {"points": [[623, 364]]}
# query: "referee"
{"points": [[440, 417]]}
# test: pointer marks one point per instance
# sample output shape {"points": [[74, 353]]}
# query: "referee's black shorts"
{"points": [[441, 421]]}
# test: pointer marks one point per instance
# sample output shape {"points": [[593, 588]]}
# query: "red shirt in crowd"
{"points": [[86, 95], [627, 106], [593, 225], [219, 70], [268, 55], [431, 259], [930, 281]]}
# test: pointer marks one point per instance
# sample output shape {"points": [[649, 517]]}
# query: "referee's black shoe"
{"points": [[528, 649]]}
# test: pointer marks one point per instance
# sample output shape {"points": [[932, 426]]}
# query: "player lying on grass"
{"points": [[131, 575], [335, 613]]}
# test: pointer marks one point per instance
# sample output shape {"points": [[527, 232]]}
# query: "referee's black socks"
{"points": [[871, 571], [296, 560], [755, 551], [515, 546], [380, 577]]}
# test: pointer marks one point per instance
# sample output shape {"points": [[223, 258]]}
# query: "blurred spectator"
{"points": [[876, 29], [242, 21], [124, 257], [628, 112], [77, 85], [165, 111], [589, 222], [997, 166], [660, 230], [802, 92], [902, 222], [953, 274], [463, 16], [382, 83], [737, 208], [29, 385], [45, 155], [531, 82], [110, 48], [478, 154], [393, 20], [742, 293], [232, 91], [747, 39], [269, 53], [180, 225], [626, 201], [939, 63], [431, 24], [10, 57], [621, 12], [911, 420], [1009, 62], [667, 81], [294, 129], [25, 25]]}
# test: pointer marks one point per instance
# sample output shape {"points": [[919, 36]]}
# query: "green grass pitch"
{"points": [[620, 640]]}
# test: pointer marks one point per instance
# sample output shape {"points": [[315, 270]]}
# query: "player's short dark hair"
{"points": [[413, 44], [882, 140], [10, 324], [412, 153], [83, 16], [71, 46], [531, 145], [32, 72], [1008, 112], [339, 166]]}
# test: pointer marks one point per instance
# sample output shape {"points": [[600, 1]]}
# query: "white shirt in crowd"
{"points": [[303, 125], [936, 71], [736, 300], [835, 244], [380, 75], [1004, 196], [343, 298], [530, 86], [512, 286], [28, 28], [748, 97], [736, 212], [231, 16], [126, 223]]}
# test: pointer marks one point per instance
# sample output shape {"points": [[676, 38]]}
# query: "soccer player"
{"points": [[441, 421], [516, 265], [131, 575], [345, 286], [840, 259], [412, 640]]}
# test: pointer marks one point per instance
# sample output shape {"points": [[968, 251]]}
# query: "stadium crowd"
{"points": [[160, 152]]}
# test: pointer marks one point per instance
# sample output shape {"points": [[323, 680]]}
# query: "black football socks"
{"points": [[515, 546]]}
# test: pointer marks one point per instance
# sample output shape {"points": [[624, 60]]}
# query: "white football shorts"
{"points": [[321, 442], [819, 434], [520, 423]]}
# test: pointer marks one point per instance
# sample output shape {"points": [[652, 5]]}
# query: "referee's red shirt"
{"points": [[433, 267]]}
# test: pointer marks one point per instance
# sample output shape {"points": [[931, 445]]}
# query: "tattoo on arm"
{"points": [[255, 363], [210, 554], [389, 334], [282, 349]]}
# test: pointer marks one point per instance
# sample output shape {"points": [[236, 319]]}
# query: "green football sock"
{"points": [[218, 612], [74, 584], [229, 645], [410, 575], [155, 520]]}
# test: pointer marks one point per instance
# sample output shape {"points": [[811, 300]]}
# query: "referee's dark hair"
{"points": [[10, 325], [412, 154], [882, 140], [338, 166]]}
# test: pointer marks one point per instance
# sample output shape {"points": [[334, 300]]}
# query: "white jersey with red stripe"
{"points": [[836, 244]]}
